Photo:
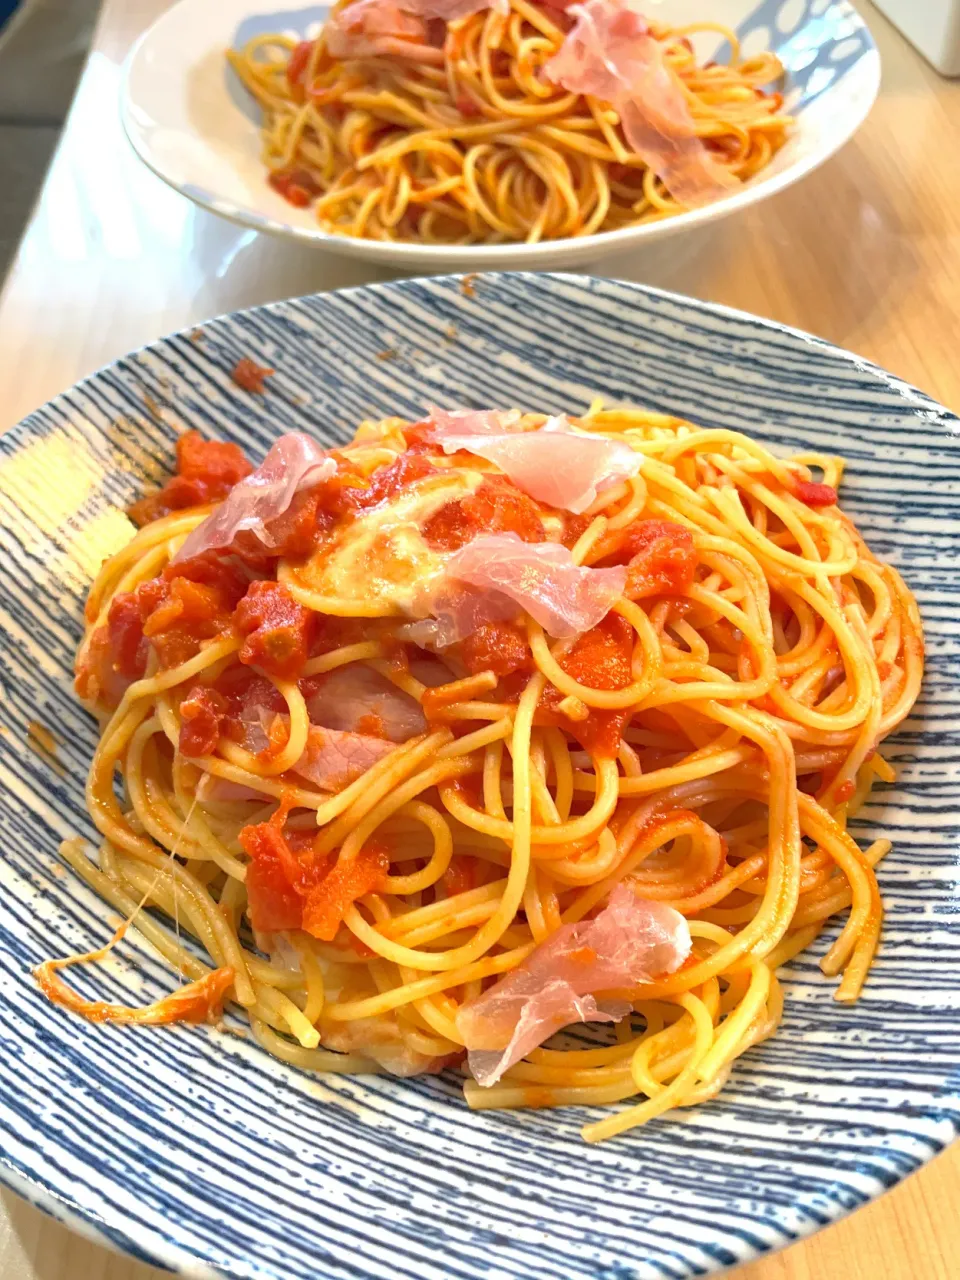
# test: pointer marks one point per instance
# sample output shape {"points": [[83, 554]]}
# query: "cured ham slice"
{"points": [[384, 28], [333, 759], [610, 54], [358, 699], [556, 464], [566, 978], [458, 612], [379, 29], [542, 578], [451, 10], [294, 463]]}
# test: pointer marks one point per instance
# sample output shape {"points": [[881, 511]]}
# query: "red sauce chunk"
{"points": [[496, 507], [274, 875], [600, 659], [182, 615], [813, 494], [297, 186], [278, 630], [385, 483], [288, 887], [206, 472], [299, 60], [125, 631], [250, 376], [328, 901], [222, 573], [201, 715], [661, 559], [500, 647], [116, 654]]}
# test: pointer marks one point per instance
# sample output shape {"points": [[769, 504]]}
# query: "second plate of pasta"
{"points": [[477, 133]]}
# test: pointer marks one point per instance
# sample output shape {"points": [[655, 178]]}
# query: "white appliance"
{"points": [[932, 26]]}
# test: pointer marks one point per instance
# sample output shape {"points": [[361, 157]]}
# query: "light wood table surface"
{"points": [[865, 253]]}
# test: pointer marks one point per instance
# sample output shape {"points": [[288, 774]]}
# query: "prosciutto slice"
{"points": [[294, 463], [557, 464], [611, 54], [542, 578], [356, 698], [384, 28], [631, 941], [458, 611], [451, 10], [333, 759]]}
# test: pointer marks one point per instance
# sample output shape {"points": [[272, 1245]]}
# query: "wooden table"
{"points": [[865, 253]]}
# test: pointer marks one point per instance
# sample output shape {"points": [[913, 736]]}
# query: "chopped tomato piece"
{"points": [[327, 902], [385, 483], [813, 494], [187, 614], [500, 647], [250, 376], [278, 630], [496, 507], [212, 569], [206, 472], [662, 559], [278, 878], [116, 653], [297, 186], [573, 528], [299, 60], [272, 874], [125, 632], [600, 659], [291, 889], [201, 715]]}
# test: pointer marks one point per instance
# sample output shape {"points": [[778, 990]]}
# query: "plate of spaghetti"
{"points": [[470, 770], [479, 133]]}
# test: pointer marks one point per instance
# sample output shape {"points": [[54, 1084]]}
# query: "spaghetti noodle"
{"points": [[522, 124], [490, 724]]}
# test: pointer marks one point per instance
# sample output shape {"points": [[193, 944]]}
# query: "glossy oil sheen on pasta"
{"points": [[458, 123], [430, 762]]}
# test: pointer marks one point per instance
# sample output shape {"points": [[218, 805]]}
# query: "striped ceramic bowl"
{"points": [[189, 1146]]}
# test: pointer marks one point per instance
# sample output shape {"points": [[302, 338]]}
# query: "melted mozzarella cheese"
{"points": [[378, 564]]}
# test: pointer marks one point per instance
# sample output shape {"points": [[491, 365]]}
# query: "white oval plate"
{"points": [[190, 119]]}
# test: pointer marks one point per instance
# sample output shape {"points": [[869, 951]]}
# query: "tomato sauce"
{"points": [[500, 647], [299, 60], [278, 630], [297, 186], [600, 659], [250, 376], [813, 494], [202, 713], [496, 507], [206, 472], [661, 559], [327, 903]]}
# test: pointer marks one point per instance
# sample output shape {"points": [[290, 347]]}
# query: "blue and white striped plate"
{"points": [[192, 1148]]}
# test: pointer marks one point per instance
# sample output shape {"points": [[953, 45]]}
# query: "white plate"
{"points": [[190, 119]]}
